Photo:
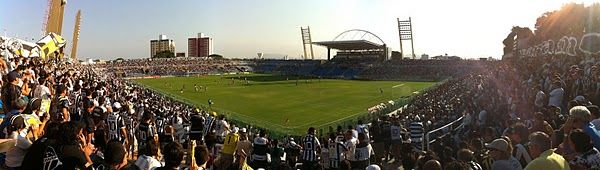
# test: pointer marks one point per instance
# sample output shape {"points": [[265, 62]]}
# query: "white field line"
{"points": [[399, 85]]}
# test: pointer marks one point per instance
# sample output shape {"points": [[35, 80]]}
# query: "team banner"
{"points": [[51, 43], [588, 44]]}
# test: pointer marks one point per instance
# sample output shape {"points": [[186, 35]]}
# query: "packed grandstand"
{"points": [[536, 112]]}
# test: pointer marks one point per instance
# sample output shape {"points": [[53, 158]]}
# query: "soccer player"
{"points": [[196, 87]]}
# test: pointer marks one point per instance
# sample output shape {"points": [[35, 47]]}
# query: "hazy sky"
{"points": [[241, 28]]}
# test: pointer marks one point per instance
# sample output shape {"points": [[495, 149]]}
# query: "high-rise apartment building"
{"points": [[162, 44], [201, 46]]}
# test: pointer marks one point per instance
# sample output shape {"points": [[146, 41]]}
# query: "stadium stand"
{"points": [[512, 114], [487, 107]]}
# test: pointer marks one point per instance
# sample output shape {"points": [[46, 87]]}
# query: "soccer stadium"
{"points": [[364, 104]]}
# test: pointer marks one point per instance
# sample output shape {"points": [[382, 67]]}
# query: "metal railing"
{"points": [[445, 130]]}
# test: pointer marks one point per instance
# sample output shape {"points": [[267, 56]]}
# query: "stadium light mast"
{"points": [[54, 18], [405, 33], [306, 41], [76, 35]]}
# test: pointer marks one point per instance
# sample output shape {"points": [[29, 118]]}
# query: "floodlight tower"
{"points": [[406, 33], [54, 16], [76, 35], [307, 43]]}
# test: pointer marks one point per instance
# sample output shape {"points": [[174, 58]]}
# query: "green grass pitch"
{"points": [[286, 103]]}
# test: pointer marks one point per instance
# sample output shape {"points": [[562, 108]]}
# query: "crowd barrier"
{"points": [[441, 132]]}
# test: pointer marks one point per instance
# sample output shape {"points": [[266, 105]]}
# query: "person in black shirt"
{"points": [[87, 120], [12, 90], [201, 156], [146, 131], [76, 108], [260, 151], [61, 104], [74, 151], [160, 122], [167, 136], [197, 126], [312, 149], [115, 158], [42, 153], [173, 154]]}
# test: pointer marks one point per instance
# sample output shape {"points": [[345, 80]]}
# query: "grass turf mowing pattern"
{"points": [[271, 100]]}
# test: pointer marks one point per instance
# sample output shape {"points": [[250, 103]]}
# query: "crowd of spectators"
{"points": [[361, 68], [534, 113], [421, 69], [173, 66], [64, 116]]}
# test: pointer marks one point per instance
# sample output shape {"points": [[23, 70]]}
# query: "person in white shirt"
{"points": [[363, 128], [539, 98], [363, 152], [42, 91], [222, 128], [336, 150], [14, 156], [396, 137], [354, 132], [556, 95], [149, 160], [350, 144]]}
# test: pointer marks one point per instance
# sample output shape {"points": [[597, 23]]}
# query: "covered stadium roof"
{"points": [[350, 45], [354, 39]]}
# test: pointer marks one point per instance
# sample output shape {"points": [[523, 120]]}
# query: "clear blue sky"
{"points": [[241, 28]]}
